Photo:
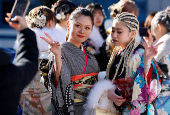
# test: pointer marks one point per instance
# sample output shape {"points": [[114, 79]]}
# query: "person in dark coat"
{"points": [[15, 76]]}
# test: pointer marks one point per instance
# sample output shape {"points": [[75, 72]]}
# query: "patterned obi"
{"points": [[82, 85], [126, 89]]}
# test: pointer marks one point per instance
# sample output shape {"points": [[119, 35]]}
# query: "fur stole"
{"points": [[101, 87], [164, 48], [42, 45]]}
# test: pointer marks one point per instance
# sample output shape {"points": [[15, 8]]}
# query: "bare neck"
{"points": [[63, 24]]}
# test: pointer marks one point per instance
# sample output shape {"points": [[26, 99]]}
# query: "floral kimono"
{"points": [[135, 86], [162, 104], [138, 94], [78, 74]]}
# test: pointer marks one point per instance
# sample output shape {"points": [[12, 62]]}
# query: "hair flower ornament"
{"points": [[38, 20], [61, 10], [60, 16]]}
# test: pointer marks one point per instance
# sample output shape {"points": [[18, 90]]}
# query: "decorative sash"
{"points": [[82, 85], [126, 89]]}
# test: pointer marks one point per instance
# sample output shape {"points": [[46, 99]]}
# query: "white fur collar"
{"points": [[101, 87], [164, 48], [97, 38], [52, 32]]}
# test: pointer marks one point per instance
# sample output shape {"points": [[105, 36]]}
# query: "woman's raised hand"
{"points": [[54, 46], [151, 51], [118, 100]]}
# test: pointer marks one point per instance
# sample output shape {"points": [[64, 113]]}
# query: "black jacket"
{"points": [[14, 77]]}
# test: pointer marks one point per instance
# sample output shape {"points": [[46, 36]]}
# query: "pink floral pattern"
{"points": [[135, 112], [141, 98]]}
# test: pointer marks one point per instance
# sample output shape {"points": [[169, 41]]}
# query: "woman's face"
{"points": [[98, 17], [121, 34], [79, 29]]}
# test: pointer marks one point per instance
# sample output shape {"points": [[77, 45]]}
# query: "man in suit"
{"points": [[14, 77]]}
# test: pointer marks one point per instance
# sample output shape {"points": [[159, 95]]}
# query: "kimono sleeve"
{"points": [[144, 93], [163, 100]]}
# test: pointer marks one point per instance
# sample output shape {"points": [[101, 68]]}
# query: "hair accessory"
{"points": [[39, 20], [61, 10]]}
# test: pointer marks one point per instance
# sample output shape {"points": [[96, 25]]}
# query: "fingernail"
{"points": [[12, 19], [122, 97], [44, 33], [120, 89], [40, 36]]}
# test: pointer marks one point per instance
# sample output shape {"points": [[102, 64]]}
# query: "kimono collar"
{"points": [[163, 48]]}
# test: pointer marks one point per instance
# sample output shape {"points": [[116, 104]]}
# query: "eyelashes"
{"points": [[87, 28]]}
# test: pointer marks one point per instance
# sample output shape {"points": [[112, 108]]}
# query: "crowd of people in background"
{"points": [[70, 62]]}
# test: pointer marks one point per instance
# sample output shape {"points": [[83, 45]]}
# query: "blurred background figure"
{"points": [[119, 7], [8, 35], [160, 29], [41, 19], [35, 98], [14, 77], [98, 34], [147, 24], [62, 10]]}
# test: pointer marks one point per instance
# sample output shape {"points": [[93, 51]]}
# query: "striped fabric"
{"points": [[73, 61]]}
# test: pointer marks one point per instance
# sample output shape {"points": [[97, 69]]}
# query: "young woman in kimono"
{"points": [[160, 29], [35, 98], [98, 35], [62, 10], [129, 69], [73, 69]]}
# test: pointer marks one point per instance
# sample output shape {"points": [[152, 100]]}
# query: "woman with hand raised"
{"points": [[73, 69]]}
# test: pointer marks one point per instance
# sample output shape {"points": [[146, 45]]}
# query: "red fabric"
{"points": [[85, 60], [56, 82], [149, 75], [77, 77], [126, 85]]}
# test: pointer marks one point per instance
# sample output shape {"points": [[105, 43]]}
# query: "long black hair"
{"points": [[92, 7]]}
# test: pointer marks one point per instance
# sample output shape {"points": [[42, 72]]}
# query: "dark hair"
{"points": [[124, 6], [148, 20], [163, 18], [39, 11], [78, 12], [67, 6], [92, 7]]}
